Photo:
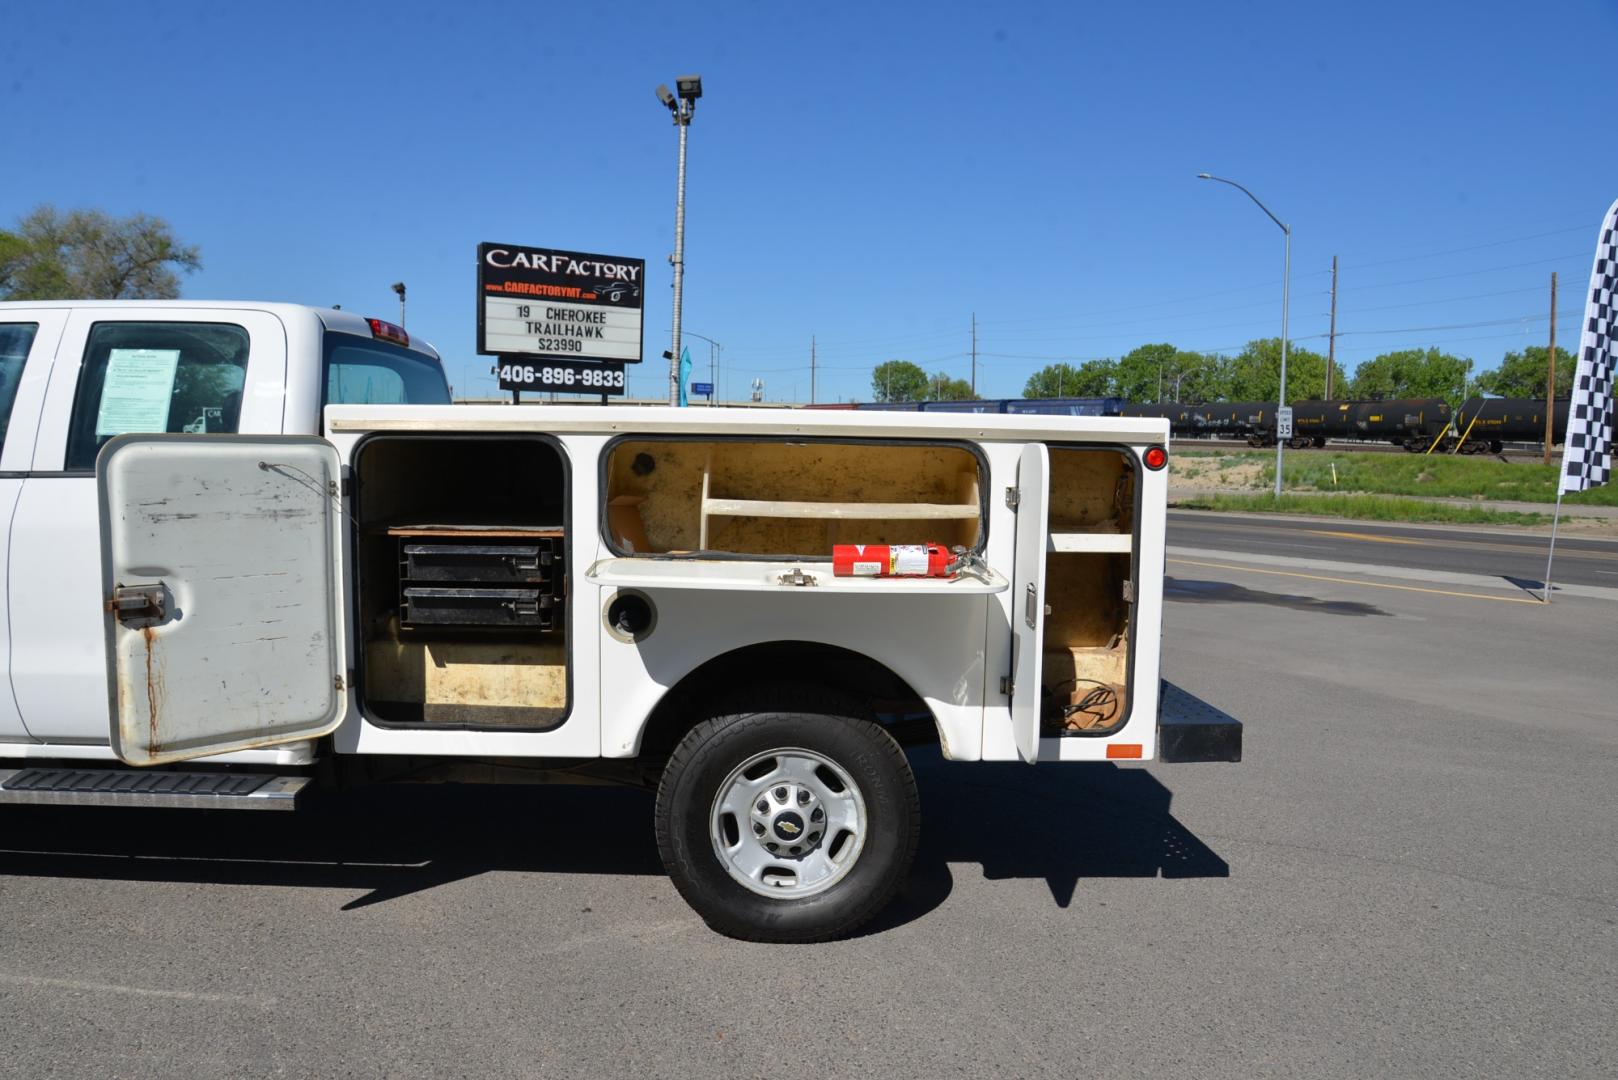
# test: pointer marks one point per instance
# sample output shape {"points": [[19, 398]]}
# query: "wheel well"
{"points": [[895, 705]]}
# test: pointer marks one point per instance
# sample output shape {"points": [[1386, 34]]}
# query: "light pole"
{"points": [[682, 108], [399, 287], [1286, 303]]}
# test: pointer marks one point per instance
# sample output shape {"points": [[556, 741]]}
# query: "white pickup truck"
{"points": [[250, 548]]}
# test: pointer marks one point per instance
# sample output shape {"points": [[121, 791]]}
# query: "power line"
{"points": [[1476, 247], [1470, 273]]}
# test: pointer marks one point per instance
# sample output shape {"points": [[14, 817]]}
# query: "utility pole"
{"points": [[1331, 346], [974, 354], [811, 369], [1550, 379]]}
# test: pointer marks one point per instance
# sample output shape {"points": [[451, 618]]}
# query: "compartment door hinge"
{"points": [[1129, 591], [1007, 685], [1013, 498]]}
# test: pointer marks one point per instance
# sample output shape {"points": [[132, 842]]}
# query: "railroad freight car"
{"points": [[1413, 423], [1487, 424]]}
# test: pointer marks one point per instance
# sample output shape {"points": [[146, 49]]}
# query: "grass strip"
{"points": [[1433, 476], [1362, 507]]}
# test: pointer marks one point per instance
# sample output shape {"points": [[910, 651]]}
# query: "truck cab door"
{"points": [[222, 583], [1028, 598]]}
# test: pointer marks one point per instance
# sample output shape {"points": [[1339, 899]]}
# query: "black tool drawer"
{"points": [[492, 563], [426, 606], [472, 581]]}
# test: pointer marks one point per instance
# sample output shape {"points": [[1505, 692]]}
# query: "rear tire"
{"points": [[777, 766]]}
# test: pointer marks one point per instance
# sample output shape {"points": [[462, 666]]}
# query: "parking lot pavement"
{"points": [[1411, 873]]}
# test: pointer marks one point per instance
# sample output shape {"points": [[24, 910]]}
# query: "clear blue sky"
{"points": [[868, 174]]}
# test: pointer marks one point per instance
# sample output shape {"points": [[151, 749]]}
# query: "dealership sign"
{"points": [[562, 306]]}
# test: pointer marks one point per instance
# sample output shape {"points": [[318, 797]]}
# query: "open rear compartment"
{"points": [[462, 587], [742, 498], [1088, 591]]}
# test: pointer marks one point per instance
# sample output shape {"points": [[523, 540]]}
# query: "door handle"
{"points": [[138, 602], [1031, 608]]}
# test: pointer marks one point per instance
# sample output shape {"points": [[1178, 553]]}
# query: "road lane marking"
{"points": [[137, 991], [1532, 544], [1353, 581], [1374, 539]]}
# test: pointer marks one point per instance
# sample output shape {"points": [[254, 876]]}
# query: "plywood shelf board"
{"points": [[1090, 540], [862, 511]]}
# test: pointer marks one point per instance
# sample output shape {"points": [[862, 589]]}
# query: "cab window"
{"points": [[361, 372], [156, 376], [15, 341]]}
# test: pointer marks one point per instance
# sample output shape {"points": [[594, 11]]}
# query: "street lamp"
{"points": [[682, 108], [1286, 303], [399, 287]]}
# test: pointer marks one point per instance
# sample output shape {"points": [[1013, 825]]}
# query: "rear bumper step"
{"points": [[1189, 729], [173, 790]]}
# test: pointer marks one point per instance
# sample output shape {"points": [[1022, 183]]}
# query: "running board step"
{"points": [[126, 787]]}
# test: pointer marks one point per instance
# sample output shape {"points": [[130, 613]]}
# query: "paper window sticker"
{"points": [[136, 391]]}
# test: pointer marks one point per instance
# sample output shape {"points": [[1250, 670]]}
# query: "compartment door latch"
{"points": [[137, 602], [796, 576]]}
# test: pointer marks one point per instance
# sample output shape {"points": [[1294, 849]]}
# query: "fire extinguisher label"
{"points": [[867, 569], [909, 558]]}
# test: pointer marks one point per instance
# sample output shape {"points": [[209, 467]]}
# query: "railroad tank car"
{"points": [[1413, 423], [1489, 423], [1313, 422], [1250, 420], [1185, 421]]}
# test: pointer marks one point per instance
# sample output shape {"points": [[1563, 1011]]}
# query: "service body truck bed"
{"points": [[255, 583]]}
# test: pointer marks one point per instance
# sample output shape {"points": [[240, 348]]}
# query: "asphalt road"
{"points": [[1411, 874], [1504, 553]]}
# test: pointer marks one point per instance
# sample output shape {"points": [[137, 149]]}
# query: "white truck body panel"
{"points": [[950, 642]]}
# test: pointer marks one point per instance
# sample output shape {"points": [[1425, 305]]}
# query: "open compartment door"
{"points": [[221, 563], [1028, 599]]}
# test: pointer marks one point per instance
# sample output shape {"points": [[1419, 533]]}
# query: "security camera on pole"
{"points": [[683, 107]]}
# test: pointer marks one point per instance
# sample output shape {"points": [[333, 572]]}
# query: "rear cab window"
{"points": [[361, 371]]}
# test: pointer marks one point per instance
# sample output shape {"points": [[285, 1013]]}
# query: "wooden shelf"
{"points": [[1090, 541], [838, 510], [464, 531]]}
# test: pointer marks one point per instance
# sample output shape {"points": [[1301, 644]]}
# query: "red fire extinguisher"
{"points": [[891, 560]]}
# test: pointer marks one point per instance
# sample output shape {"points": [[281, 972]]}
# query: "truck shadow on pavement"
{"points": [[1058, 823], [1192, 591]]}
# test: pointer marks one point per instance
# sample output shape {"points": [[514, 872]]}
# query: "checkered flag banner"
{"points": [[1587, 453]]}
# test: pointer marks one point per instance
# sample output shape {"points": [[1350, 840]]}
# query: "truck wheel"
{"points": [[790, 818]]}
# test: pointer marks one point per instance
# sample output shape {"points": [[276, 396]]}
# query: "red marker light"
{"points": [[386, 331], [1155, 457]]}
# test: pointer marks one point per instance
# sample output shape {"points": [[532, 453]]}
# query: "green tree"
{"points": [[1093, 378], [90, 255], [1194, 376], [898, 380], [1522, 374], [1254, 374], [943, 388], [1140, 372], [1407, 373]]}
